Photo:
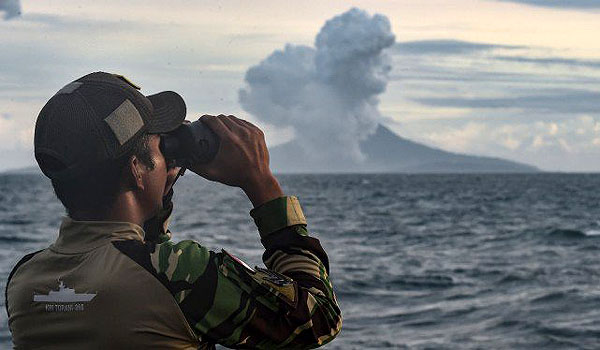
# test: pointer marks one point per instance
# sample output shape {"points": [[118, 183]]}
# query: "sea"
{"points": [[417, 261]]}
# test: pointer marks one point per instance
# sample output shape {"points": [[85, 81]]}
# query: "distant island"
{"points": [[387, 152], [33, 169]]}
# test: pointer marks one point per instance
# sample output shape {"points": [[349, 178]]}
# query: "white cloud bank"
{"points": [[555, 145], [581, 134], [11, 8], [328, 93], [562, 4]]}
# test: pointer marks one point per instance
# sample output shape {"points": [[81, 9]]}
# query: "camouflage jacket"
{"points": [[290, 304], [113, 285]]}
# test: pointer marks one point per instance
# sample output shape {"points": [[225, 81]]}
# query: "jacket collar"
{"points": [[81, 236]]}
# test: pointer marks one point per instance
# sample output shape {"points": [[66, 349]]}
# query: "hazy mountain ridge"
{"points": [[387, 152], [33, 169]]}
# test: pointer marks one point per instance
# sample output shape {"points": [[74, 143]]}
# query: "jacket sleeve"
{"points": [[290, 304]]}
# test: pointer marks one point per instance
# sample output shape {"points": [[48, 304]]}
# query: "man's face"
{"points": [[159, 180]]}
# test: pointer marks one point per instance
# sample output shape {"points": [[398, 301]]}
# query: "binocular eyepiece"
{"points": [[189, 144]]}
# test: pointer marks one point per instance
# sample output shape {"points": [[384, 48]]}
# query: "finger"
{"points": [[216, 125], [242, 122], [207, 171], [247, 124], [222, 118], [233, 124]]}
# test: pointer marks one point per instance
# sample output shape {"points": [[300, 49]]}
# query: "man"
{"points": [[107, 283]]}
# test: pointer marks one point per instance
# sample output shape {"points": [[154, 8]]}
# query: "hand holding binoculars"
{"points": [[224, 149]]}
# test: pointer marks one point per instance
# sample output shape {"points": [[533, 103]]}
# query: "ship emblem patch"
{"points": [[64, 299]]}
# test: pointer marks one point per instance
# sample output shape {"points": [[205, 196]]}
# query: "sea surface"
{"points": [[417, 261]]}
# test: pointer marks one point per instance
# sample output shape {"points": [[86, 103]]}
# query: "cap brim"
{"points": [[169, 112]]}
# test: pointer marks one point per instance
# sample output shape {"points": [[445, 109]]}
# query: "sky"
{"points": [[515, 79]]}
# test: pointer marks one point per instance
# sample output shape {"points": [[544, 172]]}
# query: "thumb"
{"points": [[206, 170]]}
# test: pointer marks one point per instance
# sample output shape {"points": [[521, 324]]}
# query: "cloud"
{"points": [[14, 134], [567, 4], [71, 23], [561, 100], [467, 63], [327, 93], [555, 140], [445, 47], [11, 8], [551, 60], [524, 104]]}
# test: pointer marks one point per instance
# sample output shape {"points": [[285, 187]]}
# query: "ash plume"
{"points": [[327, 93], [11, 8]]}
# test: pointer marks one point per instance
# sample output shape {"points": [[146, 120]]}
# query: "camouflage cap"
{"points": [[97, 119]]}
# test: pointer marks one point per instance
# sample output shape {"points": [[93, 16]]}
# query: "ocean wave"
{"points": [[592, 233], [553, 297], [407, 317], [16, 221], [18, 239], [513, 278], [431, 281], [378, 284], [573, 234], [569, 332]]}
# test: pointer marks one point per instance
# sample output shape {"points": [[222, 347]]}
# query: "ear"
{"points": [[136, 173]]}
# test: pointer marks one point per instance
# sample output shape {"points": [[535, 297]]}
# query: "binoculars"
{"points": [[189, 144]]}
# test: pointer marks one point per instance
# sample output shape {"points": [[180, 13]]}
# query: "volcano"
{"points": [[386, 152]]}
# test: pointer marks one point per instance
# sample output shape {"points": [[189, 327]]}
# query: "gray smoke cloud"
{"points": [[11, 8], [327, 93]]}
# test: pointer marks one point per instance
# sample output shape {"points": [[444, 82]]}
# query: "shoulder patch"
{"points": [[281, 285], [273, 282]]}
